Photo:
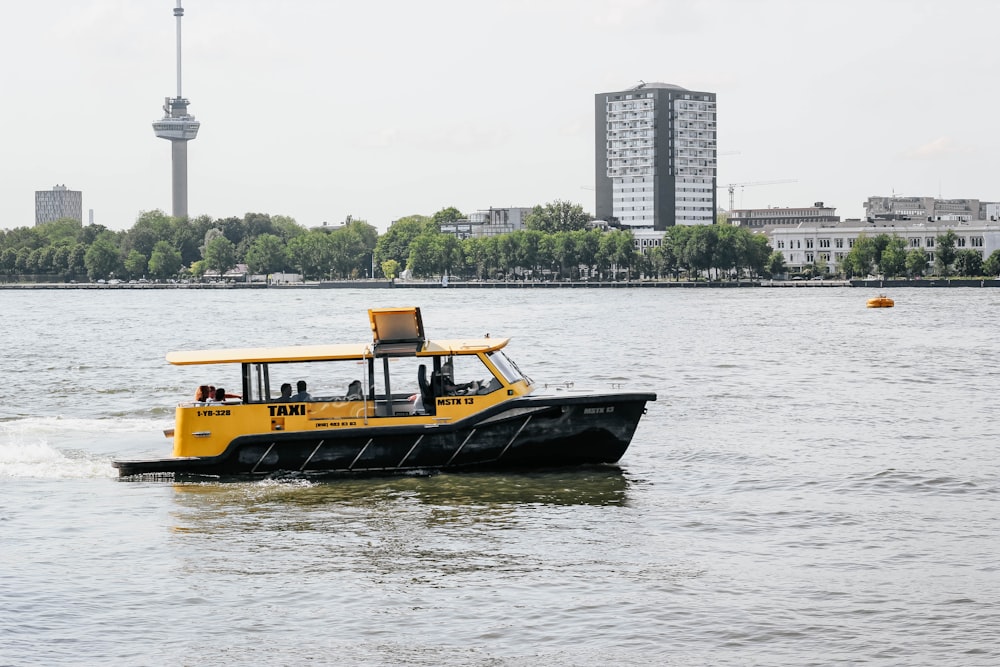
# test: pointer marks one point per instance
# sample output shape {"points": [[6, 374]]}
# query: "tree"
{"points": [[699, 251], [149, 228], [615, 252], [587, 245], [267, 254], [447, 215], [63, 230], [135, 264], [449, 253], [969, 263], [675, 239], [992, 265], [75, 263], [757, 253], [390, 269], [351, 248], [944, 252], [8, 258], [220, 254], [165, 260], [860, 261], [423, 259], [474, 252], [916, 262], [101, 258], [395, 243], [893, 260], [776, 263], [557, 216], [311, 254], [662, 261]]}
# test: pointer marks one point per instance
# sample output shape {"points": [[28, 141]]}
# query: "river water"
{"points": [[818, 483]]}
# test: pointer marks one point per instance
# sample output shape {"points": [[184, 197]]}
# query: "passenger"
{"points": [[202, 395], [220, 395], [302, 394], [286, 392], [354, 391]]}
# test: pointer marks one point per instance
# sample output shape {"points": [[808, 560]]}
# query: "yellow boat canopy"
{"points": [[396, 332], [255, 355]]}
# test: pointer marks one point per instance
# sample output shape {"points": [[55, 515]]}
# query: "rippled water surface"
{"points": [[818, 483]]}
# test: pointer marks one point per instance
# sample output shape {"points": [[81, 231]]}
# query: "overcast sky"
{"points": [[317, 109]]}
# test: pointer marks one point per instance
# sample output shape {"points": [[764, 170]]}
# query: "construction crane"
{"points": [[732, 187]]}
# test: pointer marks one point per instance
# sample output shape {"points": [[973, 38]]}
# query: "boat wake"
{"points": [[57, 448]]}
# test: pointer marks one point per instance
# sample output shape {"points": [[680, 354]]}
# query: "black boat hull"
{"points": [[529, 432]]}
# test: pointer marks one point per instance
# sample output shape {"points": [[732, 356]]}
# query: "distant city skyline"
{"points": [[394, 117]]}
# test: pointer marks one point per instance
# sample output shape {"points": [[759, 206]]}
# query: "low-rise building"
{"points": [[773, 217], [929, 209], [488, 222], [805, 245]]}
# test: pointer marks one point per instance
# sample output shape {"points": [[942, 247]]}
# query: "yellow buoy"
{"points": [[881, 301]]}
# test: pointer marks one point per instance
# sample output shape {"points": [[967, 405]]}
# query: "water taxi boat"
{"points": [[390, 406]]}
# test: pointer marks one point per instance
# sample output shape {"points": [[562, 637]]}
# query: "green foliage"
{"points": [[352, 248], [991, 267], [135, 264], [390, 269], [557, 216], [447, 215], [220, 254], [969, 263], [944, 252], [395, 243], [61, 231], [101, 258], [423, 259], [860, 261], [776, 263], [893, 259], [310, 254], [165, 261], [8, 258], [267, 254], [916, 262]]}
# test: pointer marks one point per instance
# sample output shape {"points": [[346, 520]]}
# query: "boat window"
{"points": [[402, 375], [325, 380], [507, 368], [469, 375]]}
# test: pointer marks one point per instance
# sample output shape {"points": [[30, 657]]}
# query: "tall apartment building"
{"points": [[58, 203], [656, 156]]}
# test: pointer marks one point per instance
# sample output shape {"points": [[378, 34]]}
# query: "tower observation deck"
{"points": [[178, 127]]}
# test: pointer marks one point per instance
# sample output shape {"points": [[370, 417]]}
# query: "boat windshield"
{"points": [[507, 368]]}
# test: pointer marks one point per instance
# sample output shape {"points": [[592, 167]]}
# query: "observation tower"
{"points": [[178, 127]]}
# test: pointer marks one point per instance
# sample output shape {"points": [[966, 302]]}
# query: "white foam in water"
{"points": [[39, 460], [26, 449]]}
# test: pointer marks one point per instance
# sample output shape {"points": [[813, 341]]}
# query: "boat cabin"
{"points": [[400, 377]]}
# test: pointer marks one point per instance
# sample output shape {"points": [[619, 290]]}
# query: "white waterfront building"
{"points": [[808, 244]]}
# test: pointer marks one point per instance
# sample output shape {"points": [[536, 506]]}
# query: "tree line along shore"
{"points": [[559, 245]]}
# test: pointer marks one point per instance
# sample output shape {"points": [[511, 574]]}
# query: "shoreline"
{"points": [[518, 284]]}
